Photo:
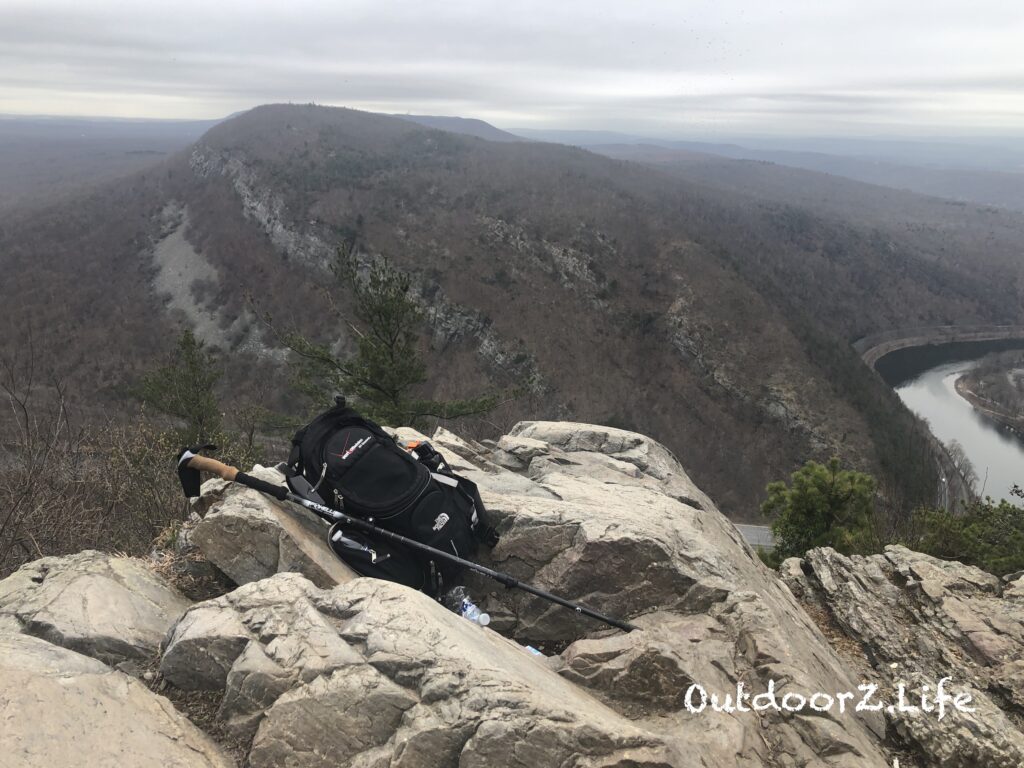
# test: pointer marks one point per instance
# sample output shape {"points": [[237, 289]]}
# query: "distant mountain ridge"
{"points": [[617, 293], [464, 126], [996, 177]]}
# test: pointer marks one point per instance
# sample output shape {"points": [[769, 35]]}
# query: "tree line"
{"points": [[112, 486], [826, 505]]}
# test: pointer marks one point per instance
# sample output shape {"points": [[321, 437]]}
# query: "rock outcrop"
{"points": [[919, 620], [602, 516], [114, 609], [308, 667], [372, 673], [249, 536], [59, 708]]}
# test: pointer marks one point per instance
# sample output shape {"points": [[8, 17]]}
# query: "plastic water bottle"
{"points": [[532, 650], [474, 614]]}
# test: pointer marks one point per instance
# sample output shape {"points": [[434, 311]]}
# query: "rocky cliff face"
{"points": [[301, 664], [914, 619]]}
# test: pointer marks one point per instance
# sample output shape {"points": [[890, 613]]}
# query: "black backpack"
{"points": [[349, 463]]}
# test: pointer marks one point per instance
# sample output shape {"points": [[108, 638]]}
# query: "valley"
{"points": [[512, 385], [716, 317]]}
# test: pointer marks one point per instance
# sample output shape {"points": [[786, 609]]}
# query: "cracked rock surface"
{"points": [[250, 536], [626, 531], [114, 609], [298, 668], [602, 516], [920, 619], [374, 674], [59, 708]]}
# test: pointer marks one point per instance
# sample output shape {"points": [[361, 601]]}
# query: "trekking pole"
{"points": [[190, 463]]}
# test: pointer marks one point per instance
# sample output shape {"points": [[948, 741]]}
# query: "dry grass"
{"points": [[848, 648], [188, 572], [191, 574], [64, 489], [202, 708]]}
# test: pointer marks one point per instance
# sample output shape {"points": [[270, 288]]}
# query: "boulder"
{"points": [[372, 673], [177, 557], [222, 637], [644, 671], [601, 516], [477, 463], [921, 619], [470, 450], [250, 536], [59, 708], [515, 453], [649, 456], [114, 609], [626, 531]]}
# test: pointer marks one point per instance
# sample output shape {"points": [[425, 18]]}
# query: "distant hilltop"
{"points": [[463, 125]]}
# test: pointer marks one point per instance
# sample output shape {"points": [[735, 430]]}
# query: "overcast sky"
{"points": [[921, 67]]}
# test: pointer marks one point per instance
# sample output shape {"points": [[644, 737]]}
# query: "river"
{"points": [[997, 456]]}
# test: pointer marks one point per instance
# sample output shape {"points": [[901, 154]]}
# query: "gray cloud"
{"points": [[693, 66]]}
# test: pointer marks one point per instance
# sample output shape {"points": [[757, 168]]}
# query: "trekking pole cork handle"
{"points": [[191, 463], [214, 467]]}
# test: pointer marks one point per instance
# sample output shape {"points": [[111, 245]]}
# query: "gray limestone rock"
{"points": [[373, 673], [922, 619], [368, 673], [626, 531], [59, 708], [250, 536], [602, 516], [114, 609]]}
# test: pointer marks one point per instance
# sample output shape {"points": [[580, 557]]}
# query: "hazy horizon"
{"points": [[980, 140], [923, 70]]}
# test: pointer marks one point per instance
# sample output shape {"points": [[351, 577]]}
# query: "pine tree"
{"points": [[184, 388], [824, 506], [386, 369]]}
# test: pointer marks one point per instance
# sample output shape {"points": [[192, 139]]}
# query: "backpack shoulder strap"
{"points": [[430, 457], [483, 529]]}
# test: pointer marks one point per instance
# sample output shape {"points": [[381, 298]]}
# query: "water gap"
{"points": [[924, 379]]}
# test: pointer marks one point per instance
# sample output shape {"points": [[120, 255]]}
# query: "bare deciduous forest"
{"points": [[712, 309]]}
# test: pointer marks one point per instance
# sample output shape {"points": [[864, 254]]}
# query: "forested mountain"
{"points": [[715, 319], [949, 229]]}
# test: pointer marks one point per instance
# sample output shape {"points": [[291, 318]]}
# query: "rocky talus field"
{"points": [[246, 643]]}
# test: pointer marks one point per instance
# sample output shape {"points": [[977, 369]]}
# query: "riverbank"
{"points": [[996, 455], [988, 408]]}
